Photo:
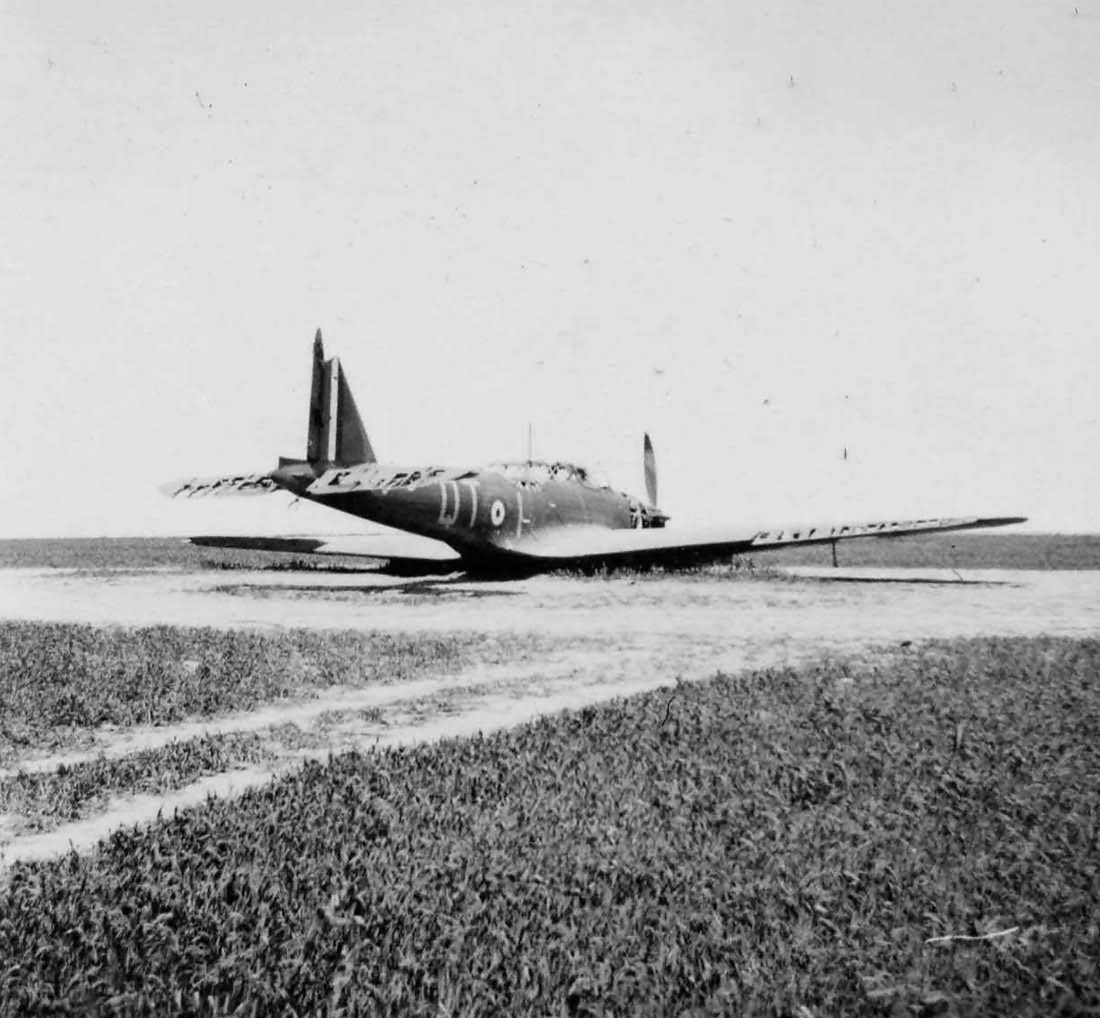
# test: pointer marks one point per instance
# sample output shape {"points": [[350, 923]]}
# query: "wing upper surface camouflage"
{"points": [[818, 533], [230, 484]]}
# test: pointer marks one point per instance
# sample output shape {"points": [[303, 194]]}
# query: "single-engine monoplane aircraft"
{"points": [[504, 519]]}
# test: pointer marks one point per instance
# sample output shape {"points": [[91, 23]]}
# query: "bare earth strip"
{"points": [[419, 711], [1001, 600], [617, 636], [480, 714], [113, 743]]}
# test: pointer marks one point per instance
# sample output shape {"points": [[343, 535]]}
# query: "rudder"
{"points": [[336, 432]]}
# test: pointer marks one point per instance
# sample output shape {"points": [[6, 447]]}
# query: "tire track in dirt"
{"points": [[411, 713]]}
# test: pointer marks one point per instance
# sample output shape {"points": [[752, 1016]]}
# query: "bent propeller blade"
{"points": [[650, 463]]}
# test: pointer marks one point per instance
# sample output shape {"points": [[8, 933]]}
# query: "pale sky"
{"points": [[765, 233]]}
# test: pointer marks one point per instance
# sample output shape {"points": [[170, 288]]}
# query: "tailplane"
{"points": [[336, 432]]}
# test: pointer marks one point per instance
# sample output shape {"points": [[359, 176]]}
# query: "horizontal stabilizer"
{"points": [[234, 484]]}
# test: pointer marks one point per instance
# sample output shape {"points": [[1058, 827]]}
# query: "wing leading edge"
{"points": [[586, 546]]}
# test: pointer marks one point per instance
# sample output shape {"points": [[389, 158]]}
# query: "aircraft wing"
{"points": [[231, 484], [403, 554], [575, 546]]}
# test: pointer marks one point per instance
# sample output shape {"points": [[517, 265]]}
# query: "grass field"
{"points": [[124, 553], [783, 843], [990, 550], [58, 680], [42, 801]]}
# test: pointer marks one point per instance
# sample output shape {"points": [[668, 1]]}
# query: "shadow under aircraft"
{"points": [[510, 518]]}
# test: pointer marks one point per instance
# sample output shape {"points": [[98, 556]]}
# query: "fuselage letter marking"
{"points": [[448, 515]]}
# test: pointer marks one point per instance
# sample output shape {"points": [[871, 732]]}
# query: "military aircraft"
{"points": [[505, 519]]}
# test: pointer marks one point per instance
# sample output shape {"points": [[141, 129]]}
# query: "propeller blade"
{"points": [[650, 462]]}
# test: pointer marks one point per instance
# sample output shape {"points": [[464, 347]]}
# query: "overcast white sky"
{"points": [[766, 233]]}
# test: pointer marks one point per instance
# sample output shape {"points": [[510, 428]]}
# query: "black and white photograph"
{"points": [[550, 509]]}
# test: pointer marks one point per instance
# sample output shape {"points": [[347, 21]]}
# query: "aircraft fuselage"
{"points": [[478, 512]]}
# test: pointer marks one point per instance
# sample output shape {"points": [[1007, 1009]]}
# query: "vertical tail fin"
{"points": [[336, 432], [315, 443]]}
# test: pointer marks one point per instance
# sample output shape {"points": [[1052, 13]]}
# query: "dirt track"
{"points": [[804, 604]]}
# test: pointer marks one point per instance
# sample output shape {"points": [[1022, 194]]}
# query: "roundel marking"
{"points": [[496, 512]]}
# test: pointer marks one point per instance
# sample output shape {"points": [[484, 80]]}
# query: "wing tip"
{"points": [[999, 521]]}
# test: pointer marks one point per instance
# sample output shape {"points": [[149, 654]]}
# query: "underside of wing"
{"points": [[402, 554], [586, 547], [595, 546]]}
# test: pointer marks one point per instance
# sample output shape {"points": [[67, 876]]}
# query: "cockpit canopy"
{"points": [[541, 471]]}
